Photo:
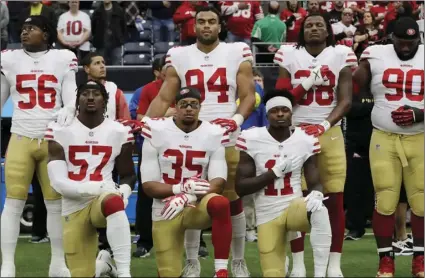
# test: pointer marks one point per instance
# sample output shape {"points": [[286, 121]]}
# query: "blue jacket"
{"points": [[134, 103], [258, 117]]}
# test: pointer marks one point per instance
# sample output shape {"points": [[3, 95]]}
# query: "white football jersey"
{"points": [[395, 83], [183, 155], [213, 74], [265, 150], [36, 87], [90, 153], [319, 101], [73, 28]]}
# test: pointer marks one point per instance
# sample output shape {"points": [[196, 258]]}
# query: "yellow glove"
{"points": [[257, 100]]}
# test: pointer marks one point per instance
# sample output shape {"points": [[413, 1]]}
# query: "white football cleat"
{"points": [[239, 268], [104, 265], [192, 268], [59, 271], [7, 270], [299, 272], [334, 266]]}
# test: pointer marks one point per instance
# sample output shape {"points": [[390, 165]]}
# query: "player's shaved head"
{"points": [[207, 25]]}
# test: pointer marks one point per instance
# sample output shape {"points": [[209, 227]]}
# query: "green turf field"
{"points": [[359, 260]]}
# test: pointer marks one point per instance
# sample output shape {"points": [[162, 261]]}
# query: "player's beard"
{"points": [[207, 41], [408, 57]]}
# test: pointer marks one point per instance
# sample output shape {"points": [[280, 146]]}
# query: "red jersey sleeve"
{"points": [[122, 110]]}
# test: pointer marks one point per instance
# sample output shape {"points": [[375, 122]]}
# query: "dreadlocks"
{"points": [[91, 84], [329, 40]]}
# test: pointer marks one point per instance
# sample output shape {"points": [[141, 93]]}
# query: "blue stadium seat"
{"points": [[147, 24], [137, 59], [137, 48], [163, 47], [14, 45], [145, 36]]}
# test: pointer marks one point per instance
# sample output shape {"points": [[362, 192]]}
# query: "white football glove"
{"points": [[286, 165], [66, 115], [97, 188], [126, 192], [314, 201], [193, 185], [176, 204], [317, 77]]}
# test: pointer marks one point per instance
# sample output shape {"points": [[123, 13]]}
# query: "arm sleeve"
{"points": [[69, 88], [245, 53], [256, 31], [217, 168], [283, 57], [349, 59], [5, 90], [242, 143], [122, 111], [149, 168]]}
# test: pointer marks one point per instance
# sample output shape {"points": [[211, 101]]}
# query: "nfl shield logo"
{"points": [[91, 133]]}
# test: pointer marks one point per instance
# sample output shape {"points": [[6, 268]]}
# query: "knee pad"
{"points": [[14, 206], [416, 203], [53, 206], [112, 204], [386, 202], [218, 205]]}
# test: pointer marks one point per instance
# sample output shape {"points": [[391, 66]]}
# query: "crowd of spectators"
{"points": [[142, 29]]}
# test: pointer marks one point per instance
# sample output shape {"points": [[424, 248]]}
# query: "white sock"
{"points": [[335, 260], [191, 243], [320, 239], [220, 264], [119, 238], [10, 224], [238, 236], [298, 260], [55, 231]]}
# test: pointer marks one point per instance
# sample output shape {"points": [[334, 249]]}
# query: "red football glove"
{"points": [[228, 124], [135, 125], [315, 130], [407, 115]]}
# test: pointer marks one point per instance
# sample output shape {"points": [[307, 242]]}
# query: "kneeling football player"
{"points": [[184, 169], [81, 159], [270, 167]]}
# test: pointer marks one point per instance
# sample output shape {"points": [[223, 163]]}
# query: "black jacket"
{"points": [[118, 26]]}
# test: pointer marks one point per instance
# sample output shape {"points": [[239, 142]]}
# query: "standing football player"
{"points": [[319, 75], [395, 75], [81, 159], [270, 167], [183, 160], [40, 81], [221, 72]]}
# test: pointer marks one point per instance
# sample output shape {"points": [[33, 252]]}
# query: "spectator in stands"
{"points": [[379, 10], [74, 30], [59, 7], [293, 17], [185, 18], [366, 34], [240, 18], [133, 11], [399, 9], [109, 31], [257, 118], [335, 15], [144, 202], [94, 66], [162, 19], [4, 21], [39, 214], [268, 33], [37, 8], [313, 6], [344, 30], [15, 9], [358, 197]]}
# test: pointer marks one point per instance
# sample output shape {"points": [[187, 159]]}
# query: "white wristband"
{"points": [[177, 189], [326, 125], [238, 118]]}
